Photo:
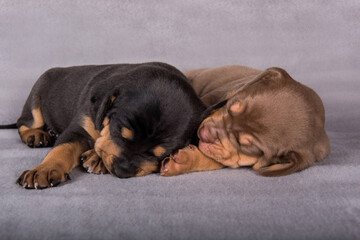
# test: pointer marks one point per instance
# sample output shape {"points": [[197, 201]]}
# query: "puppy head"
{"points": [[142, 123], [274, 121]]}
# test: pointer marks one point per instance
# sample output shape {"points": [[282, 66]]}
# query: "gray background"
{"points": [[317, 42]]}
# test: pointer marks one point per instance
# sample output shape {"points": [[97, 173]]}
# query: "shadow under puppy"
{"points": [[264, 119], [133, 115]]}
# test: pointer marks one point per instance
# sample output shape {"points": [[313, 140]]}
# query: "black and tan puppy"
{"points": [[264, 119], [132, 114]]}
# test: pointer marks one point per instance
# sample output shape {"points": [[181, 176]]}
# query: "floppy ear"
{"points": [[101, 113], [284, 165], [270, 77], [209, 110], [104, 109]]}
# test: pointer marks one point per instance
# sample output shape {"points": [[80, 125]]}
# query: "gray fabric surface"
{"points": [[317, 42]]}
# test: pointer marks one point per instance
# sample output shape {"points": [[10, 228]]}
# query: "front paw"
{"points": [[178, 163], [42, 176], [93, 163]]}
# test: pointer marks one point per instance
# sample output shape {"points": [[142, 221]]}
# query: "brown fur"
{"points": [[126, 133], [147, 167], [270, 121], [34, 135], [66, 108], [159, 151], [93, 163], [188, 159], [38, 118], [55, 167], [105, 148], [89, 126]]}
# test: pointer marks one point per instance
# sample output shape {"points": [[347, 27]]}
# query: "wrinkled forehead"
{"points": [[272, 112], [272, 94]]}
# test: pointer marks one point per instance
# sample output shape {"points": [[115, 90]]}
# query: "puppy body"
{"points": [[132, 114], [267, 120], [214, 85]]}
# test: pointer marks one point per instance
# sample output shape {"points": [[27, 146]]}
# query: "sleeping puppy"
{"points": [[263, 119], [132, 114]]}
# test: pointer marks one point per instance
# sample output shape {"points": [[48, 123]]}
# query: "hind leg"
{"points": [[59, 162], [31, 125], [35, 137]]}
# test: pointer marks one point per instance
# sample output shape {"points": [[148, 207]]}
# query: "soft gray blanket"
{"points": [[316, 42]]}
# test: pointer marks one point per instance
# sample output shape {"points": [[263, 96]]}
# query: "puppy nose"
{"points": [[205, 135]]}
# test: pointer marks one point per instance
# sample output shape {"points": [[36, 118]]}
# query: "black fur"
{"points": [[154, 100]]}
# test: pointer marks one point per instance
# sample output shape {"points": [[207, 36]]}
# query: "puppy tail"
{"points": [[290, 163], [8, 126]]}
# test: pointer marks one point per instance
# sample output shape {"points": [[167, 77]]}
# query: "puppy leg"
{"points": [[188, 159], [59, 162], [31, 125]]}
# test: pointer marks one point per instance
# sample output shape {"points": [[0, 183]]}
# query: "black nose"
{"points": [[122, 168], [119, 173]]}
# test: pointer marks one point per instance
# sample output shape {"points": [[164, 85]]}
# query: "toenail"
{"points": [[68, 176]]}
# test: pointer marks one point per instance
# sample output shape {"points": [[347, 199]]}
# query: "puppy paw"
{"points": [[178, 163], [93, 163], [42, 176], [36, 138]]}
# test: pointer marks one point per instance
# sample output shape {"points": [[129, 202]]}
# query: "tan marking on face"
{"points": [[236, 108], [245, 139], [159, 151], [126, 133], [89, 126], [113, 98], [147, 167], [38, 118], [106, 148]]}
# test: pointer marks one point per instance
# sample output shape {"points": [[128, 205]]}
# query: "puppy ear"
{"points": [[210, 109], [270, 77], [103, 110], [284, 165]]}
